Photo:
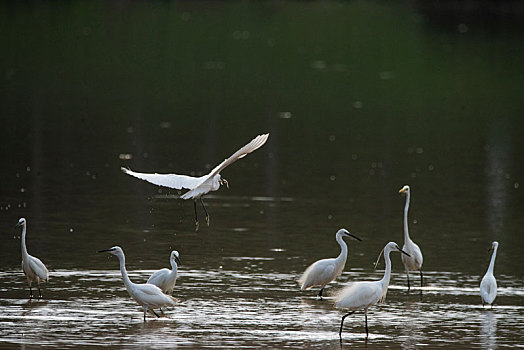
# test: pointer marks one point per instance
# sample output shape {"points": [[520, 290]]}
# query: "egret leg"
{"points": [[40, 292], [421, 279], [342, 323], [366, 316], [196, 217], [145, 311], [162, 311], [205, 210], [30, 292], [153, 311], [407, 274], [320, 293]]}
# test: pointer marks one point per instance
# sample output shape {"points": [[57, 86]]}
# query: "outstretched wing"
{"points": [[167, 180], [255, 144]]}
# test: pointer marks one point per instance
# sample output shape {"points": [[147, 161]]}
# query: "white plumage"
{"points": [[165, 279], [199, 186], [322, 272], [488, 285], [413, 262], [146, 295], [33, 268], [361, 295]]}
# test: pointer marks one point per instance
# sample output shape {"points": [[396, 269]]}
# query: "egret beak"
{"points": [[400, 250], [18, 224], [106, 250], [402, 190], [351, 235], [177, 260]]}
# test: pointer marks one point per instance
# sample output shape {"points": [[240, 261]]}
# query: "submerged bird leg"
{"points": [[205, 210], [30, 292], [39, 292], [366, 315], [196, 217], [407, 274], [342, 323], [421, 278], [320, 293]]}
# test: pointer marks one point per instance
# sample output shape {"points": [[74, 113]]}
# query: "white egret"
{"points": [[146, 295], [413, 261], [488, 285], [322, 272], [33, 268], [199, 186], [165, 279], [361, 295]]}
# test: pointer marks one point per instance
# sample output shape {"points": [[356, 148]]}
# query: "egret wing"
{"points": [[151, 295], [319, 273], [358, 295], [159, 278], [39, 268], [167, 180], [255, 144]]}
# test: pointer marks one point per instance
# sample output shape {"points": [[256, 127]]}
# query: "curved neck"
{"points": [[174, 266], [24, 248], [125, 277], [406, 208], [343, 249], [492, 262], [387, 272]]}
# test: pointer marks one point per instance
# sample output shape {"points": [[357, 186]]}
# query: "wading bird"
{"points": [[488, 285], [146, 295], [413, 261], [165, 279], [361, 295], [199, 186], [33, 268], [322, 272]]}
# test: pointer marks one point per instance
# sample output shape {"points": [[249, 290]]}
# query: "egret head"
{"points": [[343, 232], [21, 222], [391, 246], [116, 250], [175, 256], [494, 245], [222, 181], [404, 189]]}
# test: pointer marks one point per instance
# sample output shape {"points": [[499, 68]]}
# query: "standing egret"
{"points": [[33, 268], [199, 186], [361, 295], [165, 279], [146, 295], [322, 272], [488, 285], [413, 261]]}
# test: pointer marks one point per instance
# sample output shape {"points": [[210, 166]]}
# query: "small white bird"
{"points": [[488, 285], [322, 272], [413, 261], [33, 268], [165, 279], [146, 295], [361, 295], [199, 186]]}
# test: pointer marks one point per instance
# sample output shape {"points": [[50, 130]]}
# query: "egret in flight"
{"points": [[165, 279], [413, 261], [199, 186], [361, 295], [146, 295], [322, 272], [33, 268], [488, 285]]}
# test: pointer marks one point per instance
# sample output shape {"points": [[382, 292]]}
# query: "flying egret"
{"points": [[146, 295], [33, 268], [199, 186], [322, 272], [165, 279], [488, 285], [413, 261], [361, 295]]}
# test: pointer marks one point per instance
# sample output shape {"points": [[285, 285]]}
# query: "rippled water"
{"points": [[359, 98]]}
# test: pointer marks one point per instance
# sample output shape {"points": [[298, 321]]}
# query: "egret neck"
{"points": [[341, 258], [406, 208], [493, 256]]}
